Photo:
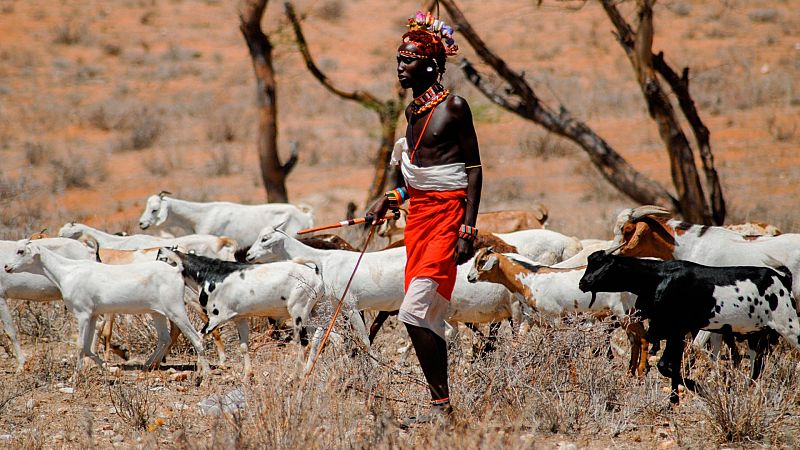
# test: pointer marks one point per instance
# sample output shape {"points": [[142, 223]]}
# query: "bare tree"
{"points": [[388, 111], [273, 173], [638, 48], [520, 98]]}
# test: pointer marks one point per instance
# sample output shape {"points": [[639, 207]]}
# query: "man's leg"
{"points": [[432, 354]]}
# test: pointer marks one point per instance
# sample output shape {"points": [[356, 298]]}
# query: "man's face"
{"points": [[411, 70]]}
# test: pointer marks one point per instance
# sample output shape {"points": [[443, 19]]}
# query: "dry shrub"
{"points": [[546, 145], [221, 163], [551, 381], [133, 402], [71, 32], [77, 171], [142, 123], [736, 410], [43, 321], [35, 152], [332, 10], [163, 161], [764, 15], [21, 208]]}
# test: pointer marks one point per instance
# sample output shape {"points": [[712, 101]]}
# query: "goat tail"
{"points": [[784, 274], [310, 263]]}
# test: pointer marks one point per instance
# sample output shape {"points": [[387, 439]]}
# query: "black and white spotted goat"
{"points": [[231, 291], [680, 297]]}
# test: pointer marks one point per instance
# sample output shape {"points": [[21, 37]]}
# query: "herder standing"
{"points": [[441, 178]]}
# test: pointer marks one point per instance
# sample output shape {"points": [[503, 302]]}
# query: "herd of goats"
{"points": [[714, 282]]}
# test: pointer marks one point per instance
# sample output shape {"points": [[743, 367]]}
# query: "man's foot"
{"points": [[440, 413]]}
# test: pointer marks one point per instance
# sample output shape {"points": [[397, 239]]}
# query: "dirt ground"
{"points": [[103, 103]]}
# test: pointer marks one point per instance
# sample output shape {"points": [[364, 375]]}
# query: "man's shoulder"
{"points": [[457, 106]]}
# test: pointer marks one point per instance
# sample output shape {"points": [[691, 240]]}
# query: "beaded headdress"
{"points": [[432, 37]]}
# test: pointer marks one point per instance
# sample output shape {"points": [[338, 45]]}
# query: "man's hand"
{"points": [[464, 251], [378, 210]]}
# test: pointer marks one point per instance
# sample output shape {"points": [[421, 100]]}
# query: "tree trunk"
{"points": [[273, 173], [638, 48]]}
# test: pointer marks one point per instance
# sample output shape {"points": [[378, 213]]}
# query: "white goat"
{"points": [[117, 257], [554, 292], [543, 246], [34, 285], [91, 288], [378, 283], [236, 292], [221, 247], [237, 221]]}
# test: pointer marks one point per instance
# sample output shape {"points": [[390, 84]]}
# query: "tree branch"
{"points": [[526, 104], [680, 86], [638, 48], [365, 98]]}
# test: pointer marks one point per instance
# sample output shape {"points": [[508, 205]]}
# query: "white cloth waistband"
{"points": [[445, 177]]}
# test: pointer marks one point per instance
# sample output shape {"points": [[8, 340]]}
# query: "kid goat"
{"points": [[680, 297], [232, 291], [90, 288]]}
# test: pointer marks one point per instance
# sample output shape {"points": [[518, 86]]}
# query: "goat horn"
{"points": [[163, 193], [641, 211], [612, 250]]}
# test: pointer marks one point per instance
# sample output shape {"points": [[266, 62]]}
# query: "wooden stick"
{"points": [[345, 223]]}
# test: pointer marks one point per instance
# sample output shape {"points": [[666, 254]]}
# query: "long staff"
{"points": [[341, 302], [344, 223]]}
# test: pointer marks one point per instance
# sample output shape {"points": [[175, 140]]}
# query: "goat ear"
{"points": [[489, 263], [163, 212], [90, 242], [163, 193]]}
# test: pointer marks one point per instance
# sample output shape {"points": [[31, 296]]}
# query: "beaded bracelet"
{"points": [[467, 232], [397, 196]]}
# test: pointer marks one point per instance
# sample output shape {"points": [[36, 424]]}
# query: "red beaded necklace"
{"points": [[430, 98]]}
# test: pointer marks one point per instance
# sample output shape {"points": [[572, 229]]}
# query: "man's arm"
{"points": [[468, 144]]}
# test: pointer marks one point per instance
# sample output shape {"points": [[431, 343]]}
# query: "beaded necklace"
{"points": [[430, 98]]}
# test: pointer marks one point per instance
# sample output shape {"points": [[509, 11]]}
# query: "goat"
{"points": [[496, 222], [554, 292], [90, 288], [239, 222], [680, 297], [378, 283], [118, 257], [650, 231], [202, 244], [34, 285], [234, 292]]}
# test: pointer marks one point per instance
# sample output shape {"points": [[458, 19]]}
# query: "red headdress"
{"points": [[432, 37]]}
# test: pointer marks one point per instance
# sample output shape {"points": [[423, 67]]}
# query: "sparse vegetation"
{"points": [[221, 163], [126, 87], [70, 32], [764, 15], [35, 152], [134, 403]]}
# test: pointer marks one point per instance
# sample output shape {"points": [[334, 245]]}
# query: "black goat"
{"points": [[680, 297]]}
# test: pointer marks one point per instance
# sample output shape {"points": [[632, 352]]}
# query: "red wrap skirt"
{"points": [[431, 233]]}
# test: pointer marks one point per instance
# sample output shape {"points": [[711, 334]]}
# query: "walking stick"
{"points": [[341, 303], [344, 223]]}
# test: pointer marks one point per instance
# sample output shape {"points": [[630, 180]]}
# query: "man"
{"points": [[441, 177]]}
